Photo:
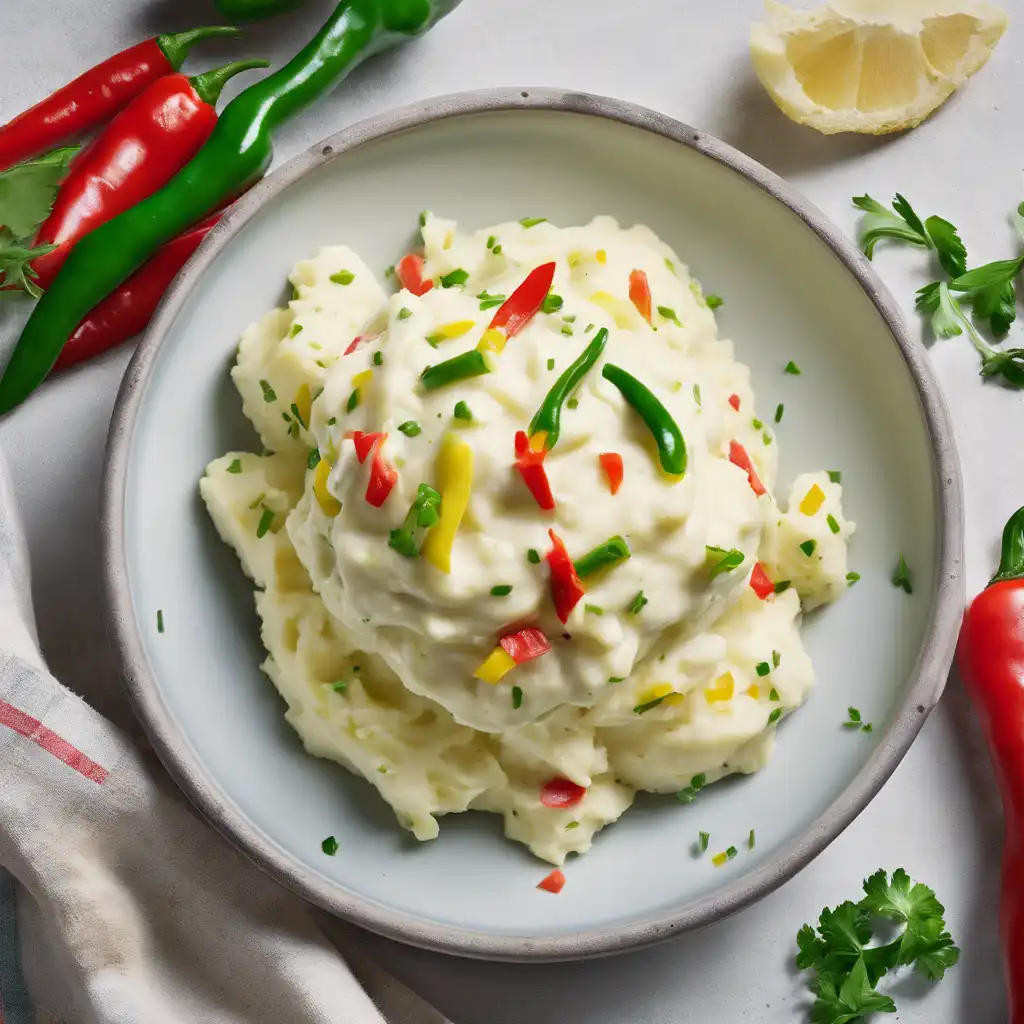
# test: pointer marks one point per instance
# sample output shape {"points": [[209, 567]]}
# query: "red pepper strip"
{"points": [[523, 304], [566, 589], [358, 340], [561, 793], [555, 882], [640, 293], [97, 95], [365, 443], [738, 457], [139, 152], [383, 476], [991, 661], [611, 463], [409, 271], [525, 645], [530, 464], [734, 401], [127, 311], [760, 584]]}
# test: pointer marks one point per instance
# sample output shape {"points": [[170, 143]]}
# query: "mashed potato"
{"points": [[384, 628]]}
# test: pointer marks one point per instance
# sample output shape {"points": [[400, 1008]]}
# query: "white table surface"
{"points": [[939, 815]]}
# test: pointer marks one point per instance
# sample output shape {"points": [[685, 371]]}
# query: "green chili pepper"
{"points": [[667, 435], [469, 364], [604, 556], [548, 418], [250, 10], [236, 155]]}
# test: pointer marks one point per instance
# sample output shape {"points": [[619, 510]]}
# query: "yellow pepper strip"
{"points": [[623, 313], [361, 381], [456, 329], [496, 666], [492, 340], [721, 689], [813, 500], [719, 859], [328, 503], [304, 403], [453, 472], [754, 691], [602, 256]]}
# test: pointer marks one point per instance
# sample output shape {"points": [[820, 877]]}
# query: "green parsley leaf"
{"points": [[410, 428], [851, 578], [835, 476], [343, 277], [792, 369], [948, 246], [808, 547], [879, 223], [16, 269], [462, 412], [529, 222], [714, 301], [552, 303], [720, 560], [669, 314], [269, 395], [236, 466], [488, 301], [901, 576], [517, 697], [637, 604], [991, 291], [457, 278], [28, 189], [329, 846], [774, 695], [404, 313], [501, 590], [762, 668], [533, 556], [689, 794], [314, 458], [775, 716], [854, 718]]}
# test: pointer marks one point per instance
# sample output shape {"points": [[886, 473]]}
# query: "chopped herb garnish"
{"points": [[808, 547], [731, 852], [533, 556], [488, 301], [835, 476], [669, 314], [714, 301], [588, 328], [410, 428], [329, 846], [340, 686], [833, 523], [637, 604], [642, 709], [258, 500], [720, 560], [901, 576], [776, 659], [750, 840], [159, 620], [389, 271], [457, 278], [236, 466], [866, 727], [854, 718], [501, 590], [779, 410], [424, 512], [758, 425], [705, 839], [567, 330], [593, 609], [353, 401], [696, 393], [296, 330], [517, 697], [298, 415], [573, 403], [616, 679], [321, 364], [423, 218], [314, 458], [792, 368], [766, 438], [851, 578], [551, 364], [265, 523], [332, 421], [775, 716], [689, 794], [269, 395], [572, 824], [491, 240], [774, 694], [378, 358], [462, 412], [671, 266], [571, 319], [496, 250], [529, 222], [552, 303], [343, 277], [604, 556], [404, 313], [763, 668]]}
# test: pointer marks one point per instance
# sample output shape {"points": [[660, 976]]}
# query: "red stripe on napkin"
{"points": [[34, 730]]}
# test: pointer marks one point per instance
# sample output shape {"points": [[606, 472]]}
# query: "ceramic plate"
{"points": [[795, 289]]}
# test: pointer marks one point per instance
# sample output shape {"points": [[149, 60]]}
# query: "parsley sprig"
{"points": [[847, 969]]}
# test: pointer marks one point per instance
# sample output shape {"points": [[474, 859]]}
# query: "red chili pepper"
{"points": [[991, 660], [738, 457], [409, 271], [365, 443], [760, 584], [640, 293], [524, 303], [383, 476], [127, 311], [734, 401], [530, 464], [138, 153], [98, 94], [561, 792], [611, 463], [566, 589], [358, 340], [525, 645], [555, 882]]}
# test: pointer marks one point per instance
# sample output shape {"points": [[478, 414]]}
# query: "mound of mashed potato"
{"points": [[396, 546]]}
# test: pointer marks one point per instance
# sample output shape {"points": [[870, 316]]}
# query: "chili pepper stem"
{"points": [[1011, 558], [210, 84], [176, 46]]}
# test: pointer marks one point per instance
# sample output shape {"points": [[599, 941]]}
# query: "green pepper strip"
{"points": [[422, 515], [604, 556], [549, 415], [469, 364], [667, 435], [236, 155]]}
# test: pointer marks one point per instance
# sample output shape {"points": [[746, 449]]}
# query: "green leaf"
{"points": [[27, 190], [879, 223], [946, 315], [991, 292], [934, 962], [950, 250], [16, 270], [1008, 364]]}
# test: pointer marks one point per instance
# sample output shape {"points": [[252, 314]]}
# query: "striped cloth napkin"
{"points": [[118, 905]]}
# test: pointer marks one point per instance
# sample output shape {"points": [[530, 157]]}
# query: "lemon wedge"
{"points": [[872, 66]]}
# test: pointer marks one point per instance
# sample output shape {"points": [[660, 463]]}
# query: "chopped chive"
{"points": [[332, 421], [321, 364], [782, 586], [669, 314], [378, 358], [774, 694], [612, 552], [616, 679], [572, 824], [791, 368], [236, 466], [851, 578], [637, 604], [714, 301], [671, 266], [462, 412], [731, 852], [257, 501], [389, 270], [552, 303], [343, 277], [296, 330], [517, 697], [588, 328], [567, 330], [404, 313], [571, 319], [776, 659], [593, 609], [763, 668], [766, 438], [265, 523], [833, 523], [705, 839], [835, 476], [696, 393], [410, 428], [423, 218], [866, 727], [353, 401], [722, 560], [457, 278], [853, 720], [314, 458], [808, 547], [901, 576], [642, 709], [340, 686], [775, 716], [501, 590], [491, 240], [529, 222], [159, 620], [533, 556], [779, 410], [758, 425], [488, 301], [298, 415], [689, 793], [573, 403], [750, 840], [329, 846], [496, 250], [269, 395], [551, 364]]}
